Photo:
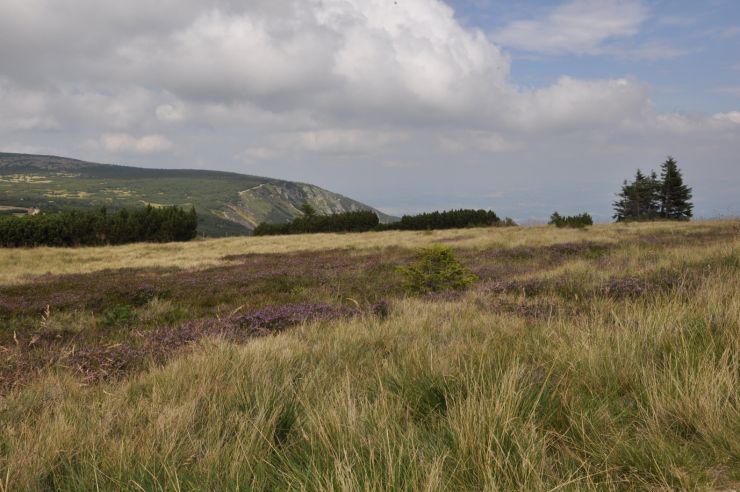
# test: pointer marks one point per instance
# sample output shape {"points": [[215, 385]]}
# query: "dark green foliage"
{"points": [[452, 219], [308, 209], [436, 269], [98, 227], [577, 221], [673, 194], [639, 199], [366, 221], [650, 197], [118, 315], [357, 221]]}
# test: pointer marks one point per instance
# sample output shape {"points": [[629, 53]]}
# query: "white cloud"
{"points": [[579, 26], [480, 141], [337, 55], [572, 104], [253, 154], [330, 91], [325, 142], [732, 117], [169, 113], [347, 141], [22, 109], [318, 65], [123, 143]]}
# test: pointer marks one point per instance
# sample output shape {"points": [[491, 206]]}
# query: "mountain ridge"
{"points": [[228, 203]]}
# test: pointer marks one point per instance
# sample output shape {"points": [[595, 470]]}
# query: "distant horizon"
{"points": [[528, 221], [406, 105]]}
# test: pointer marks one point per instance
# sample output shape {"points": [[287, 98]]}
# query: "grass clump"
{"points": [[436, 269]]}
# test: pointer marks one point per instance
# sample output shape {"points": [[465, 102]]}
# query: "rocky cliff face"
{"points": [[280, 201]]}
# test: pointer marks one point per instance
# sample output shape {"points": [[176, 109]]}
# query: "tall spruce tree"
{"points": [[638, 200], [674, 195], [623, 205]]}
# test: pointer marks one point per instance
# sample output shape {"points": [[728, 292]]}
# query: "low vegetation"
{"points": [[579, 360], [449, 219], [311, 222], [576, 221], [99, 227], [436, 269], [363, 221]]}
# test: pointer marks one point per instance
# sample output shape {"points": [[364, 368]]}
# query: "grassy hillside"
{"points": [[228, 203], [604, 359]]}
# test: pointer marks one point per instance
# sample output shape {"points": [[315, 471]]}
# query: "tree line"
{"points": [[311, 222], [99, 227], [650, 197], [365, 220], [449, 219]]}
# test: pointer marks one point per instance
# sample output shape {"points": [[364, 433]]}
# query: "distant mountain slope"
{"points": [[227, 203]]}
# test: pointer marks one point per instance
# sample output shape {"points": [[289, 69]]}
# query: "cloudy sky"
{"points": [[407, 105]]}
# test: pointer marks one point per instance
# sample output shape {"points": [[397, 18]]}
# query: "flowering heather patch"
{"points": [[698, 235], [504, 263], [553, 253], [263, 278], [276, 318], [677, 282], [104, 362], [624, 287], [528, 287], [444, 296]]}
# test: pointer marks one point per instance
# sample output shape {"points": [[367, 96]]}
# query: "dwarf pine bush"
{"points": [[575, 221], [436, 269]]}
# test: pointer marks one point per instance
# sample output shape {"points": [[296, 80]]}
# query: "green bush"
{"points": [[119, 315], [576, 221], [436, 269]]}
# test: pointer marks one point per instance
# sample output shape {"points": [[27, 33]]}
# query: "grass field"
{"points": [[598, 359]]}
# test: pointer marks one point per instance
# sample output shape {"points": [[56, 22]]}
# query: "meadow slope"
{"points": [[598, 359], [228, 204]]}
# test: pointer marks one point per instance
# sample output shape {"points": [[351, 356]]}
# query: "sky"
{"points": [[521, 107]]}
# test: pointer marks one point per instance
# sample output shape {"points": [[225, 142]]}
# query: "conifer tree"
{"points": [[638, 200], [674, 194]]}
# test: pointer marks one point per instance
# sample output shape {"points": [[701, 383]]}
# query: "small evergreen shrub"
{"points": [[119, 315], [576, 221], [436, 269]]}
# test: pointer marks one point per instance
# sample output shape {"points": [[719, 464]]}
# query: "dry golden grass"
{"points": [[444, 396], [22, 264], [601, 392]]}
